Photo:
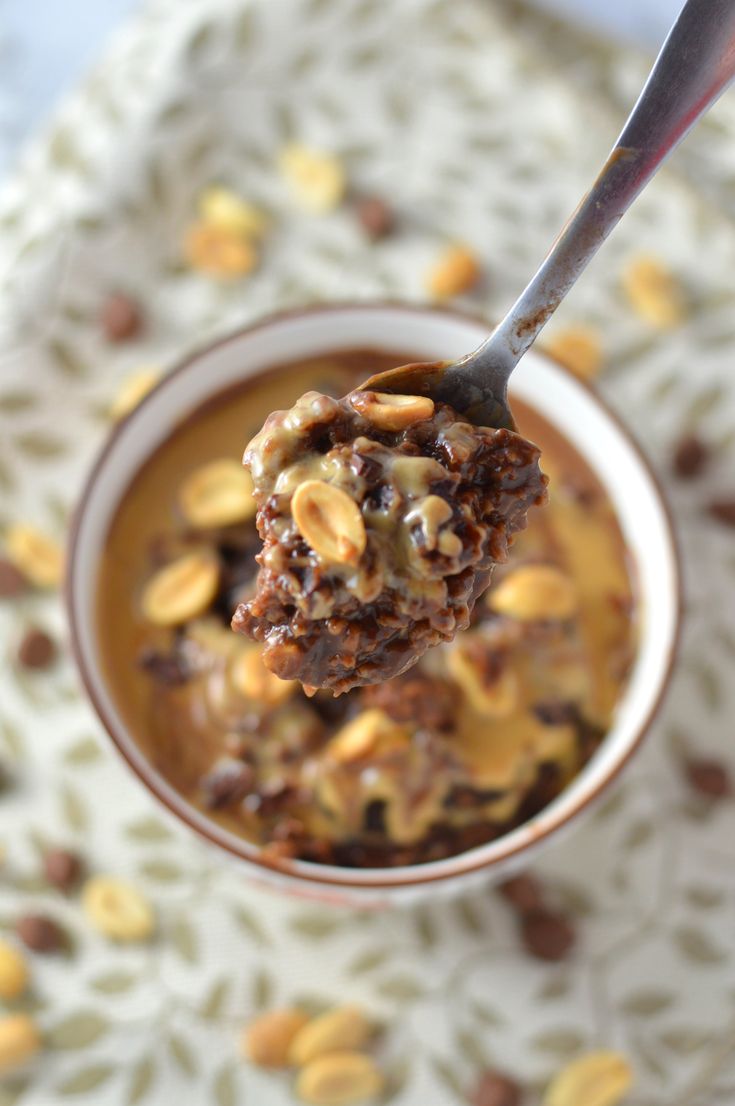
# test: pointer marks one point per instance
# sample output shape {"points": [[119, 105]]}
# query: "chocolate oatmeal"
{"points": [[477, 736], [381, 518]]}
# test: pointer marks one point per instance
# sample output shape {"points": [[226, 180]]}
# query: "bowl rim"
{"points": [[464, 863]]}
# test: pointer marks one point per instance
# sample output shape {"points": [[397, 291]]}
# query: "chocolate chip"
{"points": [[36, 650], [168, 669], [723, 510], [494, 1088], [523, 892], [547, 934], [228, 782], [40, 933], [709, 777], [376, 217], [690, 457], [12, 582], [121, 318], [62, 868]]}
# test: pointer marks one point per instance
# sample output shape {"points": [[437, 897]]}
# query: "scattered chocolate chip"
{"points": [[228, 782], [376, 217], [690, 457], [36, 650], [39, 933], [121, 317], [524, 892], [547, 934], [12, 581], [494, 1088], [723, 510], [62, 868], [709, 777]]}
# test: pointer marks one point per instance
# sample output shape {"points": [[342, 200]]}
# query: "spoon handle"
{"points": [[696, 63]]}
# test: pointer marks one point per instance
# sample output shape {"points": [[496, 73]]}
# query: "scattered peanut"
{"points": [[493, 697], [19, 1041], [329, 521], [117, 909], [252, 679], [534, 592], [579, 349], [338, 1079], [317, 179], [267, 1040], [36, 556], [13, 972], [392, 412], [597, 1079], [219, 493], [654, 292], [458, 270], [369, 733], [219, 251], [133, 389], [181, 590], [221, 207], [338, 1030]]}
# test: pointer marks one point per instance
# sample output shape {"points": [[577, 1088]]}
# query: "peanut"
{"points": [[35, 555], [117, 909], [457, 270], [317, 179], [252, 679], [654, 292], [533, 593], [133, 389], [338, 1079], [493, 698], [392, 412], [13, 972], [219, 493], [19, 1041], [219, 251], [181, 590], [362, 735], [597, 1079], [329, 521], [222, 207], [578, 348], [268, 1038], [340, 1029]]}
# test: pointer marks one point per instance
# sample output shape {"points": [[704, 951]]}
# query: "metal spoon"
{"points": [[695, 65]]}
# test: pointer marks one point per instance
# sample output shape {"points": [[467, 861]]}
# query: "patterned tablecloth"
{"points": [[480, 122]]}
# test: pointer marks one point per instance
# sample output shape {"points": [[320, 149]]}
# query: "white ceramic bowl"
{"points": [[432, 334]]}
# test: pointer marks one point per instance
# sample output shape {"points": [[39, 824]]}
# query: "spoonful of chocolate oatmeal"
{"points": [[383, 513]]}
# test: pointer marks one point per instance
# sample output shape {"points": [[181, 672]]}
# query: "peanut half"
{"points": [[457, 270], [36, 556], [317, 179], [219, 493], [534, 593], [392, 412], [597, 1079], [134, 388], [362, 736], [219, 251], [579, 349], [338, 1079], [251, 678], [13, 972], [181, 590], [329, 521], [267, 1040], [338, 1030], [117, 909], [19, 1041], [222, 207], [654, 292]]}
